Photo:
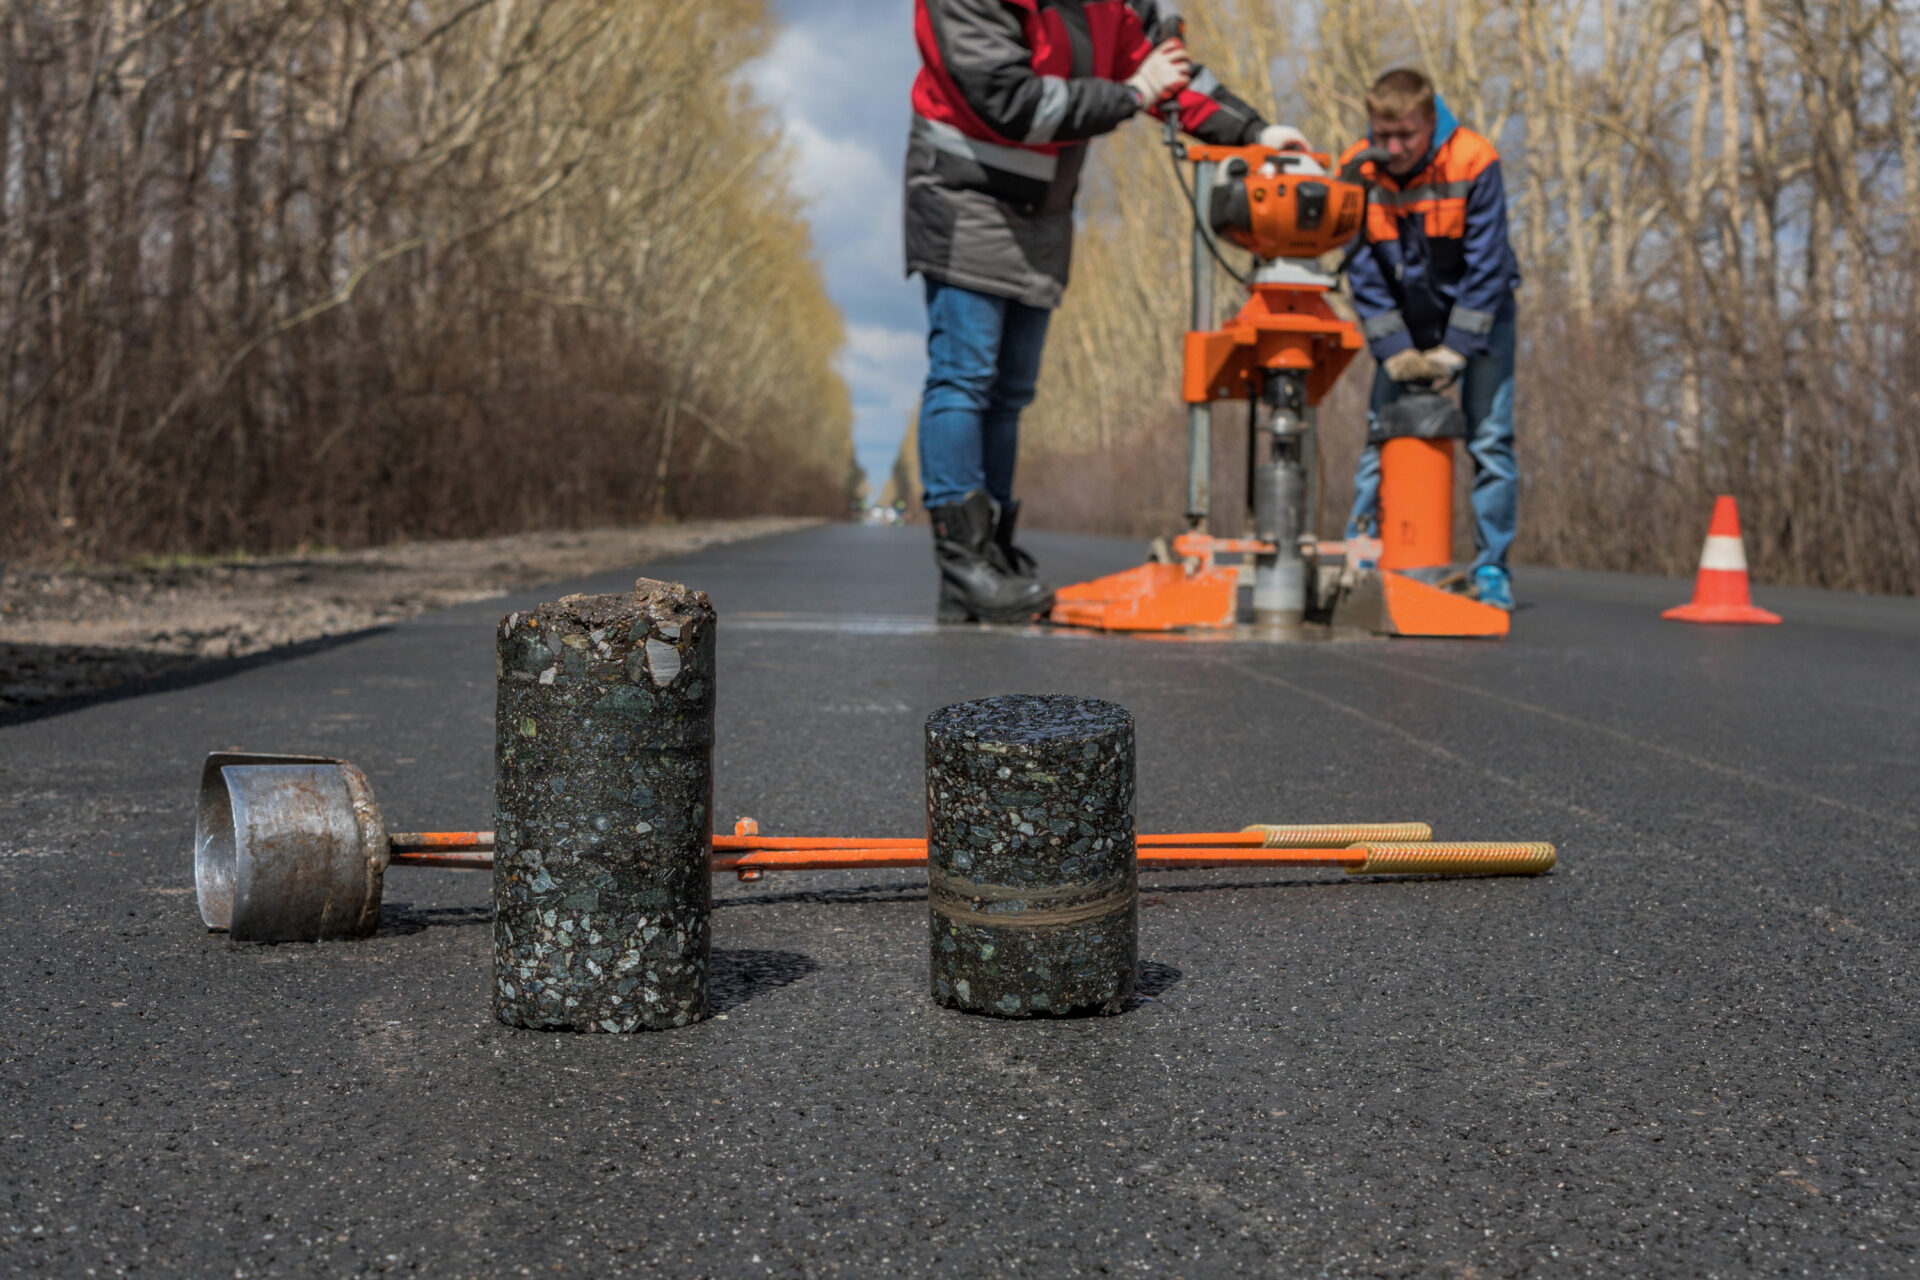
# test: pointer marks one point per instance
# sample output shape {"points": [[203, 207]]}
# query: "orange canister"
{"points": [[1416, 504]]}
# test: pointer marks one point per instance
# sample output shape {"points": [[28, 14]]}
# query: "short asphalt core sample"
{"points": [[1031, 884], [603, 794]]}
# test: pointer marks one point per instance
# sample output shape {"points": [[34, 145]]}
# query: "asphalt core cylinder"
{"points": [[603, 797], [1031, 886]]}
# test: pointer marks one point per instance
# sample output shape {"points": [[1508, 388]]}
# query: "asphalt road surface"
{"points": [[1692, 1050]]}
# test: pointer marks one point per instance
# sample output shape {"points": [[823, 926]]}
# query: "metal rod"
{"points": [[911, 854], [481, 860], [430, 842], [1200, 416], [436, 848], [1375, 858]]}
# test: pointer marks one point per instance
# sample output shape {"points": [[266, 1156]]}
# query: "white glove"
{"points": [[1447, 359], [1164, 71], [1411, 365], [1284, 137]]}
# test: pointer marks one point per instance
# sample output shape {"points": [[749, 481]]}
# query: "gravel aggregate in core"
{"points": [[603, 791], [1032, 892]]}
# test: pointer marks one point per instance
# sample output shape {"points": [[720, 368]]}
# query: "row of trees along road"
{"points": [[1717, 207], [339, 271]]}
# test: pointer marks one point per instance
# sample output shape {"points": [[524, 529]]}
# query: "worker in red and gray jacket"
{"points": [[1008, 94]]}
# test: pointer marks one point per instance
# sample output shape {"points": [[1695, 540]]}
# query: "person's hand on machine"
{"points": [[1412, 365], [1284, 137], [1447, 362], [1289, 140], [1162, 73]]}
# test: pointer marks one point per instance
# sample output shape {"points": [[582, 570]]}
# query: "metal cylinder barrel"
{"points": [[1279, 514], [287, 848], [1031, 882], [603, 797], [1416, 506]]}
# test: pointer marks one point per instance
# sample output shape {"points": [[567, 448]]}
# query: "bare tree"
{"points": [[284, 271]]}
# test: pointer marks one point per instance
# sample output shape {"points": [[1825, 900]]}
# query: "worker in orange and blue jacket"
{"points": [[1433, 280]]}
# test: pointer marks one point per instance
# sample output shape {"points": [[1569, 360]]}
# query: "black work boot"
{"points": [[975, 583], [1015, 560]]}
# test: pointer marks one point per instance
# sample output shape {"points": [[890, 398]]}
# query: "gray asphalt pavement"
{"points": [[1691, 1051]]}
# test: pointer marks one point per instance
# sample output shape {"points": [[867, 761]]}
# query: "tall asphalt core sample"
{"points": [[1031, 881], [603, 792]]}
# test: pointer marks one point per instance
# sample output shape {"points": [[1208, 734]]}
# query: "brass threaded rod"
{"points": [[1340, 835], [1470, 858]]}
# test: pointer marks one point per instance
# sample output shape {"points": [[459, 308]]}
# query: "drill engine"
{"points": [[1262, 202]]}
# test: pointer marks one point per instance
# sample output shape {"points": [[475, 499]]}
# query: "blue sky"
{"points": [[840, 75]]}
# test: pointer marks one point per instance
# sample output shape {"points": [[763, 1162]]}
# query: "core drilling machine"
{"points": [[1281, 354]]}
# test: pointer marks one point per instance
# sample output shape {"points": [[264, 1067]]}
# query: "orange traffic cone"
{"points": [[1720, 592]]}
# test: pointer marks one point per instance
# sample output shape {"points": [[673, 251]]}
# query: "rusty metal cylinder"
{"points": [[1031, 882], [1416, 505], [603, 797]]}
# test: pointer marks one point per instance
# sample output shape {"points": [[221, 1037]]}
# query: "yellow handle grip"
{"points": [[1458, 859], [1340, 835]]}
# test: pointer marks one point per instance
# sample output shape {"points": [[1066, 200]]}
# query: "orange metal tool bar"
{"points": [[470, 860], [1228, 839], [437, 841], [913, 853], [421, 848], [1159, 858]]}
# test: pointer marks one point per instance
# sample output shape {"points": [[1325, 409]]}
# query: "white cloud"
{"points": [[884, 369], [853, 205], [840, 75]]}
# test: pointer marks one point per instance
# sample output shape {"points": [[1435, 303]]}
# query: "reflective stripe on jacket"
{"points": [[1435, 266], [1008, 93]]}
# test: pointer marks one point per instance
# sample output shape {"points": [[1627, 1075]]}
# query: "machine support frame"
{"points": [[1200, 416]]}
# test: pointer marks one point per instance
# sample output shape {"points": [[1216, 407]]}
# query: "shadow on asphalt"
{"points": [[852, 893], [1155, 979], [740, 974], [397, 919], [866, 893], [188, 673]]}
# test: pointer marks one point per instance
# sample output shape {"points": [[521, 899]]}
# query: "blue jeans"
{"points": [[983, 359], [1486, 397]]}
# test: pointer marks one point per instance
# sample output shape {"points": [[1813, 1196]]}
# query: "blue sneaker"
{"points": [[1491, 585]]}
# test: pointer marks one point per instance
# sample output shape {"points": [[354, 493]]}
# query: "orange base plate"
{"points": [[1741, 613], [1415, 609], [1392, 604], [1153, 597]]}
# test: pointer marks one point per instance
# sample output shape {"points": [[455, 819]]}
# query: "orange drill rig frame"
{"points": [[1281, 353]]}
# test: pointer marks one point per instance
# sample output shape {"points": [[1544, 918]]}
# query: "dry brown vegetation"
{"points": [[339, 271], [1717, 207]]}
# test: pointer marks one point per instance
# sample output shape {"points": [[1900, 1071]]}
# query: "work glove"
{"points": [[1164, 71], [1412, 366], [1284, 137], [1447, 362]]}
